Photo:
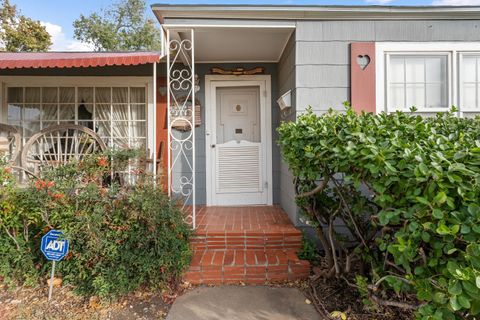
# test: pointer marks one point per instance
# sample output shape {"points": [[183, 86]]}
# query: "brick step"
{"points": [[245, 266], [289, 239]]}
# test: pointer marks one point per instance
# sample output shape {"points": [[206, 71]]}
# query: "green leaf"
{"points": [[437, 213], [443, 230], [423, 201], [455, 288], [423, 168], [454, 303], [475, 308], [464, 301], [452, 251], [440, 298], [440, 198], [477, 281]]}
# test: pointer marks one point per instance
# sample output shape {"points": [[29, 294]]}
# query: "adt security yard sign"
{"points": [[54, 247]]}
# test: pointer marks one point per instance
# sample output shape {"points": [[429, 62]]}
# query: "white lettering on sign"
{"points": [[55, 245]]}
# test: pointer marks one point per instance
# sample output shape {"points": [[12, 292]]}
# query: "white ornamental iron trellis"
{"points": [[181, 104]]}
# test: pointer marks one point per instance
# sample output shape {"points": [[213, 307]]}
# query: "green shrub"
{"points": [[309, 250], [408, 193], [120, 237]]}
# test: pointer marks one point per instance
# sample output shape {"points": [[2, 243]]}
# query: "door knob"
{"points": [[212, 145]]}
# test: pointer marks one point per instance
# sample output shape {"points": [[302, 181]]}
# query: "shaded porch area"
{"points": [[251, 244]]}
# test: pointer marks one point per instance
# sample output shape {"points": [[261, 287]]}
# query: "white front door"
{"points": [[237, 147]]}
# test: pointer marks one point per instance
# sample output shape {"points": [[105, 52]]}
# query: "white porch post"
{"points": [[181, 119], [154, 154]]}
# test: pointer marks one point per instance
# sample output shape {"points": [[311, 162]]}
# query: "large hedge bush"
{"points": [[407, 190], [120, 237]]}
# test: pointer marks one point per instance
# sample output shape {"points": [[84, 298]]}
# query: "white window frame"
{"points": [[461, 77], [69, 81], [454, 50]]}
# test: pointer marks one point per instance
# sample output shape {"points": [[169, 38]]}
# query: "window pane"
{"points": [[436, 69], [67, 112], [67, 95], [138, 129], [137, 112], [397, 69], [88, 124], [397, 96], [120, 112], [32, 95], [31, 128], [15, 94], [469, 68], [137, 95], [103, 128], [415, 95], [85, 95], [470, 81], [436, 96], [415, 70], [85, 111], [46, 124], [102, 112], [469, 98], [102, 95], [120, 95], [50, 112], [120, 129], [14, 112], [120, 143], [31, 112], [50, 95]]}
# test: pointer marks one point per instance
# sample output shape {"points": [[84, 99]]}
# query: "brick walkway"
{"points": [[252, 245]]}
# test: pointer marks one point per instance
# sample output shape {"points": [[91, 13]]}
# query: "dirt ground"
{"points": [[33, 304], [336, 295]]}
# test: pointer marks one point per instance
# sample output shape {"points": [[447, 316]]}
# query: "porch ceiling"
{"points": [[239, 44]]}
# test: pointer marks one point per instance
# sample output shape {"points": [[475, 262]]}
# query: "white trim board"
{"points": [[454, 51], [264, 82]]}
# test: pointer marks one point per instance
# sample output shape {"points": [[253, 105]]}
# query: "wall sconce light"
{"points": [[285, 103]]}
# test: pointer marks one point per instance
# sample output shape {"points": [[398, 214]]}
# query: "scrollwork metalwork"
{"points": [[181, 157]]}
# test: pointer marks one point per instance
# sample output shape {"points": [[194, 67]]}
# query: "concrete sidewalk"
{"points": [[242, 303]]}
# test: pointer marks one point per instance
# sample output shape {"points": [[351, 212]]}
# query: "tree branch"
{"points": [[317, 189], [397, 304], [12, 237], [357, 229]]}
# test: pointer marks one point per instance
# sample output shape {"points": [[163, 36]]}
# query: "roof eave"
{"points": [[163, 11]]}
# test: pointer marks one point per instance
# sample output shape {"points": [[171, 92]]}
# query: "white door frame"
{"points": [[212, 82]]}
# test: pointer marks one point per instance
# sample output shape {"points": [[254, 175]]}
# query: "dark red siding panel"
{"points": [[362, 72]]}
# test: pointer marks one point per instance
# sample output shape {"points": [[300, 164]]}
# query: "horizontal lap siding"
{"points": [[287, 81], [323, 52]]}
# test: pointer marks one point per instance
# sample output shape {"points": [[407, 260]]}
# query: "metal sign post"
{"points": [[54, 247]]}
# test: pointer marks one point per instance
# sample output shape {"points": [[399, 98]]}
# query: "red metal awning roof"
{"points": [[17, 60]]}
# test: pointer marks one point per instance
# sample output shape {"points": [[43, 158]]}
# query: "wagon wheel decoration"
{"points": [[58, 145], [10, 143]]}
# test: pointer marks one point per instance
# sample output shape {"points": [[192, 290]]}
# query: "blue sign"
{"points": [[54, 246]]}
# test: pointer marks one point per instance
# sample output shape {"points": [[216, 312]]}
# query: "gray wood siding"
{"points": [[287, 81], [323, 52]]}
